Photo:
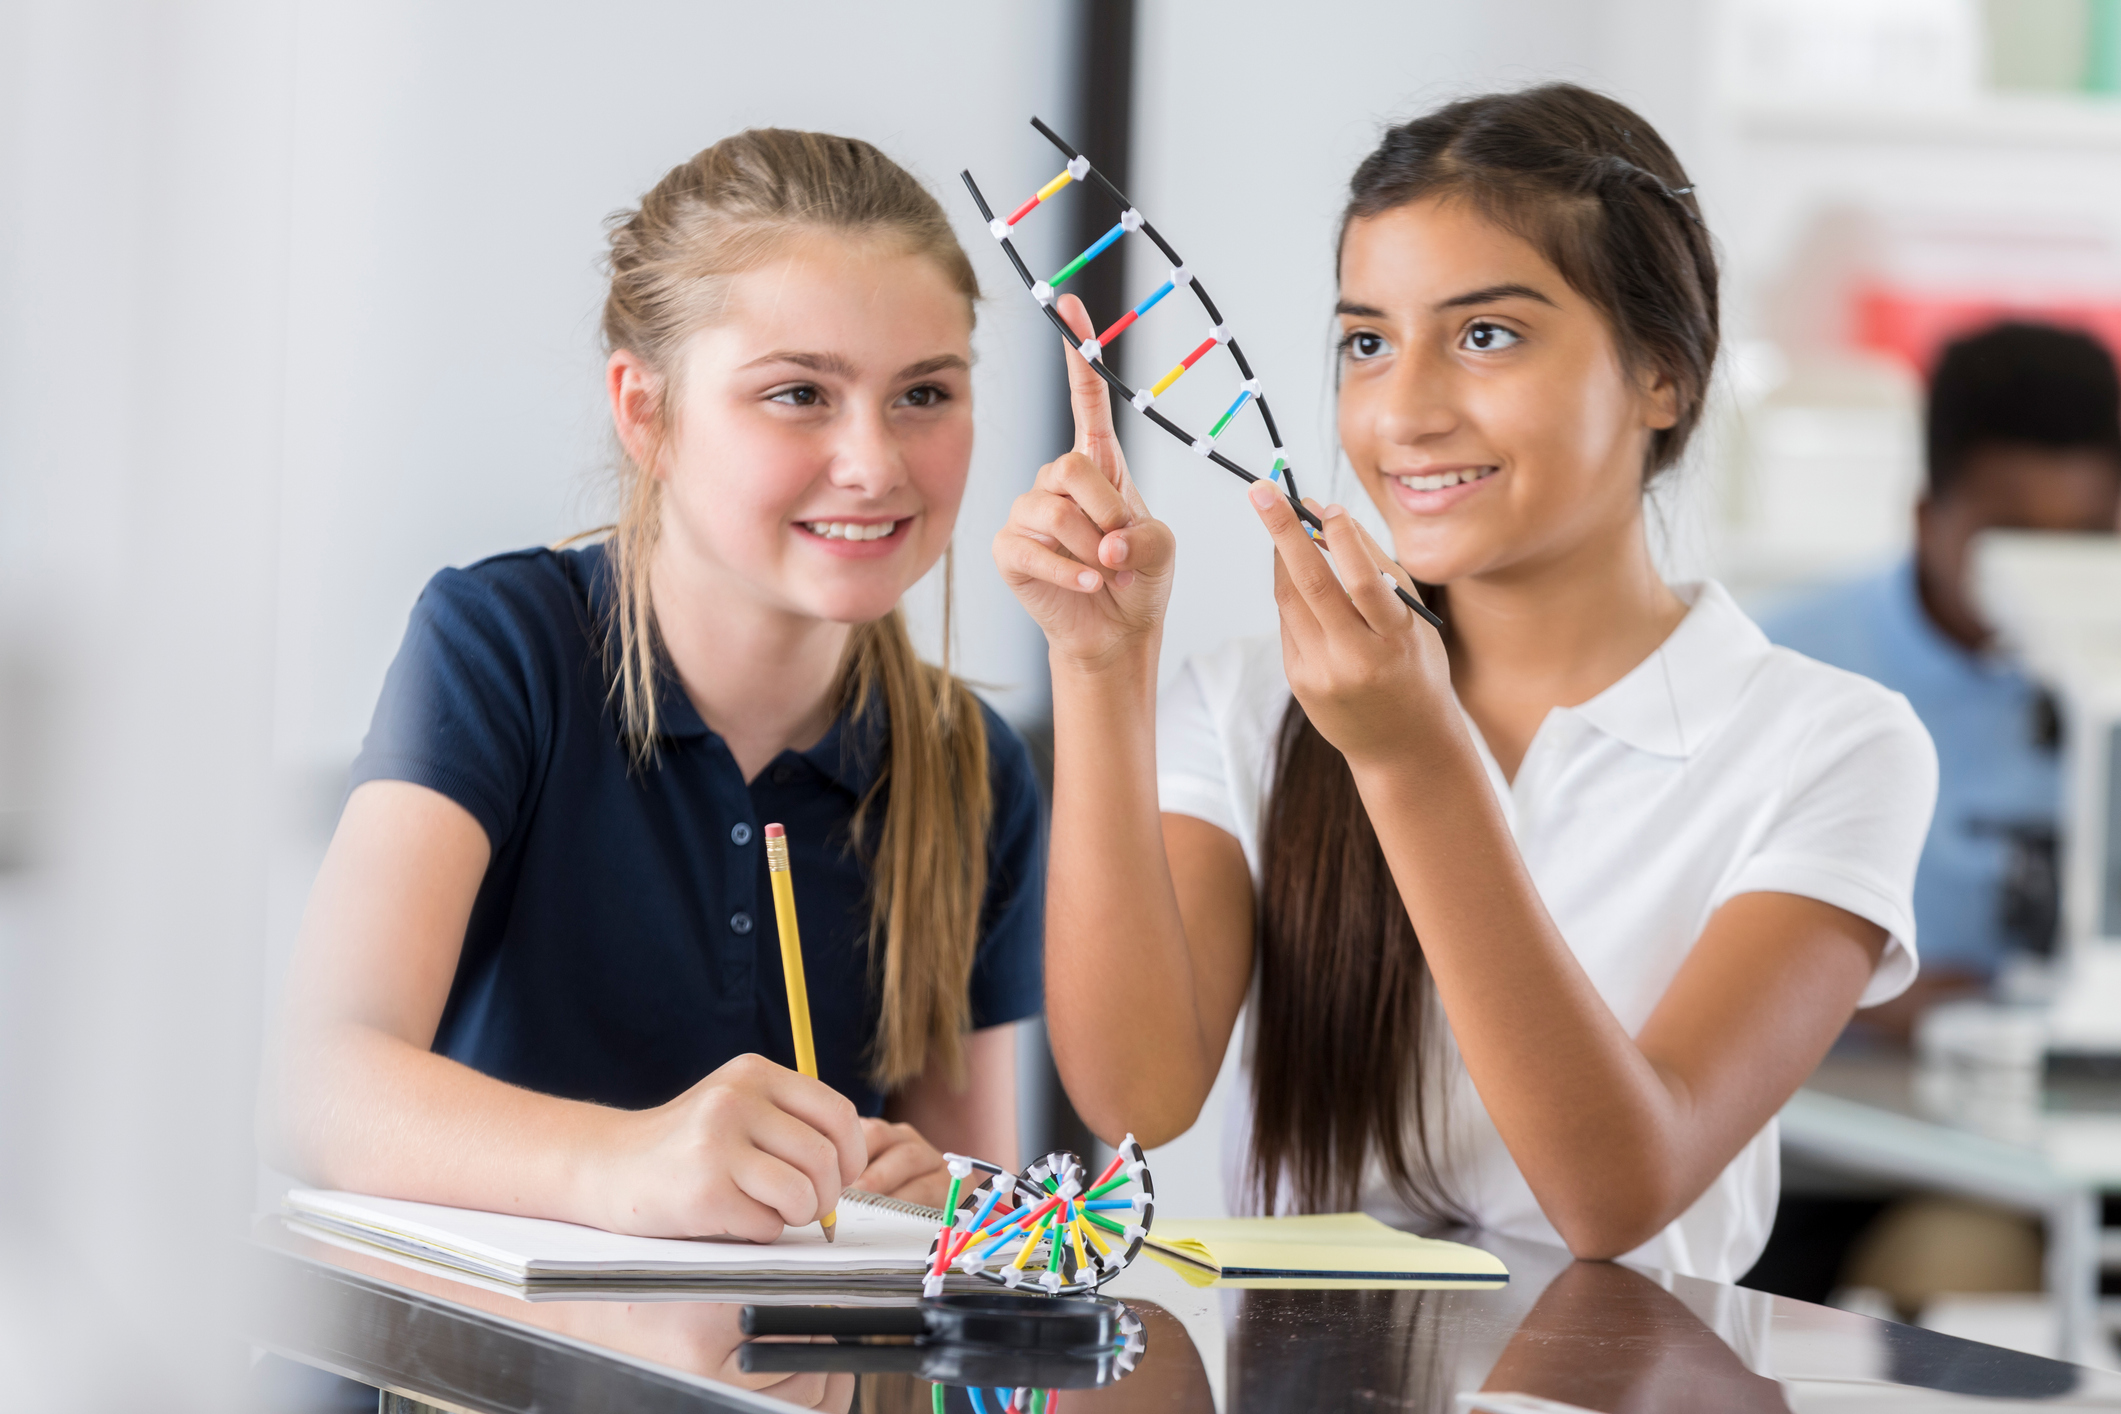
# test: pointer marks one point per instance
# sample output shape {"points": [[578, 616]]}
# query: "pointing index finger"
{"points": [[1091, 401]]}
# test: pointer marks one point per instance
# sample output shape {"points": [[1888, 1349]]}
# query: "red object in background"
{"points": [[1915, 326]]}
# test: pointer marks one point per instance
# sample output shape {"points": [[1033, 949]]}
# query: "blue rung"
{"points": [[1104, 243], [1150, 303]]}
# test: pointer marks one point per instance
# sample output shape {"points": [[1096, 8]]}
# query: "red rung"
{"points": [[1024, 210], [1192, 358], [1119, 327]]}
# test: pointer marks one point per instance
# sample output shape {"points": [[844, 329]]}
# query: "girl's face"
{"points": [[1482, 400], [820, 432]]}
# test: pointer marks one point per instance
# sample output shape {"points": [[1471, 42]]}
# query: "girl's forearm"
{"points": [[1596, 1130], [364, 1110], [1120, 986]]}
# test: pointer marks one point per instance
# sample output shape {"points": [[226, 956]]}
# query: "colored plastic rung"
{"points": [[1104, 243], [1157, 390]]}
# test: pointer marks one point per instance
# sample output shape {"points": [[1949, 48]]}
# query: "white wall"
{"points": [[144, 157]]}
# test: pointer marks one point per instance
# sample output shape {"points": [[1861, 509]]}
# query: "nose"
{"points": [[866, 457], [1419, 402]]}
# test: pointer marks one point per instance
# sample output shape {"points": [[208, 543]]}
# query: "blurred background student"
{"points": [[2023, 433]]}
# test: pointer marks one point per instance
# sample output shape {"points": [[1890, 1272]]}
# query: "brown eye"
{"points": [[1363, 345], [1490, 338], [927, 395], [803, 395]]}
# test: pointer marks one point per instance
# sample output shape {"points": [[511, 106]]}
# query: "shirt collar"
{"points": [[852, 751], [1673, 701]]}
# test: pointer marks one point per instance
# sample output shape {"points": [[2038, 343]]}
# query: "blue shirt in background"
{"points": [[622, 944], [1996, 778]]}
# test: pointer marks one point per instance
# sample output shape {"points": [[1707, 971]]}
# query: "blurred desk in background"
{"points": [[2049, 1151]]}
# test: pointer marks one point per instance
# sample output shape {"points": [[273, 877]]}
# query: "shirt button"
{"points": [[783, 774], [740, 923], [740, 833]]}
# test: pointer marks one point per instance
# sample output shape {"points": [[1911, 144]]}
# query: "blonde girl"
{"points": [[538, 972]]}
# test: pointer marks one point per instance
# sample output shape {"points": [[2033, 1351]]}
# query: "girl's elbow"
{"points": [[1152, 1120], [1605, 1232], [1604, 1243]]}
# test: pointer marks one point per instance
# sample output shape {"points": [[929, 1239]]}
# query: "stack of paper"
{"points": [[875, 1246]]}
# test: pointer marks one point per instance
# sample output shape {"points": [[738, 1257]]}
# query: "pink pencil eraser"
{"points": [[774, 832]]}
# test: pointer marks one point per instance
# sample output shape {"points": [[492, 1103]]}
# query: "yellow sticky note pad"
{"points": [[1326, 1250]]}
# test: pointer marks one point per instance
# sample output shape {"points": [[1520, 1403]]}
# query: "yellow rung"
{"points": [[1167, 380], [1082, 1257], [1053, 186], [1023, 1254]]}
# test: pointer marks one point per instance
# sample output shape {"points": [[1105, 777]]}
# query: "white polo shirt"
{"points": [[1720, 765]]}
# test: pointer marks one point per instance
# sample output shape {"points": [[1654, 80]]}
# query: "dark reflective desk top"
{"points": [[1605, 1337]]}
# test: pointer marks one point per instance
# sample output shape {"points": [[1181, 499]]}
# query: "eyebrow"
{"points": [[839, 367], [1489, 294], [933, 365]]}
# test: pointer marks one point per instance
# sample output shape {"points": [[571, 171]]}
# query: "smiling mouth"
{"points": [[852, 530], [1443, 479]]}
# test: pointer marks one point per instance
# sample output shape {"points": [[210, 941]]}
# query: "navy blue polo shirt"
{"points": [[623, 943]]}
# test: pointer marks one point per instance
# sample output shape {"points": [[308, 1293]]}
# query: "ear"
{"points": [[636, 393], [1660, 406]]}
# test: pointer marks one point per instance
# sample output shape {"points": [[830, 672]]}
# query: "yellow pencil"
{"points": [[792, 969]]}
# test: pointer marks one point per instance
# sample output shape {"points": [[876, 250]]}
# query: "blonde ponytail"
{"points": [[928, 877]]}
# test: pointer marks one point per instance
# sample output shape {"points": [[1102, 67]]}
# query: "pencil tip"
{"points": [[830, 1222]]}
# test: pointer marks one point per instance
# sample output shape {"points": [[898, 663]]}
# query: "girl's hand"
{"points": [[1371, 675], [903, 1165], [1081, 550], [750, 1150]]}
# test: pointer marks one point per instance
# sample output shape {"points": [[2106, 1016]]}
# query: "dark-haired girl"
{"points": [[1539, 920]]}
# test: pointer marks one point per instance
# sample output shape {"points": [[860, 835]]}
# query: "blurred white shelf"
{"points": [[2000, 120]]}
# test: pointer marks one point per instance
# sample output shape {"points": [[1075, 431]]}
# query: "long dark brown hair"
{"points": [[1343, 1013]]}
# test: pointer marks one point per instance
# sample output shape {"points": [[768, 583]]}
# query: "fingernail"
{"points": [[1123, 578], [1118, 555], [1263, 494], [1334, 510], [1087, 579]]}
